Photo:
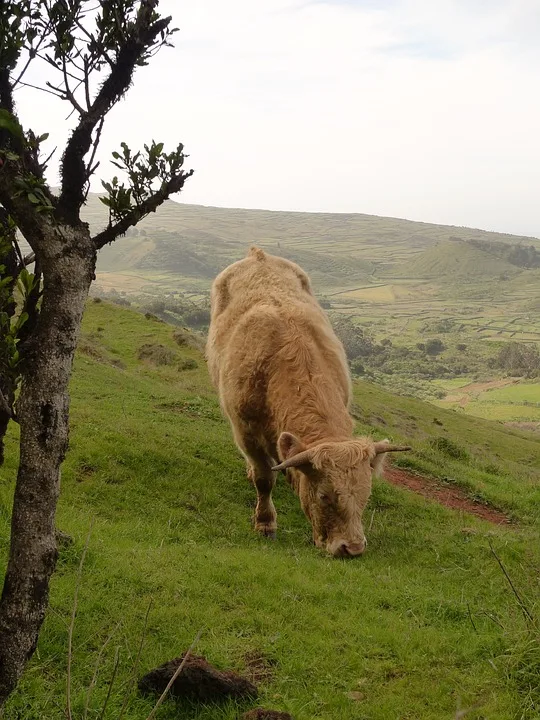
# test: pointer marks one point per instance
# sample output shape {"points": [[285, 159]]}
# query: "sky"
{"points": [[420, 109]]}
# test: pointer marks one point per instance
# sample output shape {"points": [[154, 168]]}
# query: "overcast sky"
{"points": [[421, 109]]}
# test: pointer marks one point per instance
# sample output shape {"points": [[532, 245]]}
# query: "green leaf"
{"points": [[23, 317], [10, 123]]}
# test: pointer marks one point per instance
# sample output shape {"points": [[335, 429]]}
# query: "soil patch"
{"points": [[198, 681], [259, 667], [449, 496]]}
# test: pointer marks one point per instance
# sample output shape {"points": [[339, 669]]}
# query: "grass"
{"points": [[423, 625], [518, 402], [396, 278], [525, 392]]}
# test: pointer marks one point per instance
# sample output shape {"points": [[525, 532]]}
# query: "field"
{"points": [[506, 400], [423, 627], [399, 281]]}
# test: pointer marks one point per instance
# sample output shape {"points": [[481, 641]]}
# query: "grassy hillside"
{"points": [[422, 626], [395, 279], [458, 260], [194, 242]]}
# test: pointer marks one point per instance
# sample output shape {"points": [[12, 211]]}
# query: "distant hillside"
{"points": [[525, 256], [456, 259], [336, 249]]}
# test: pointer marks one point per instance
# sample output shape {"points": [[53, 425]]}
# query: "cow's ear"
{"points": [[289, 445]]}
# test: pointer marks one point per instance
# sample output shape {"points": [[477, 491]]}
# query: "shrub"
{"points": [[188, 364], [355, 342], [197, 317], [434, 346], [520, 359], [186, 338], [357, 367], [449, 448], [157, 354]]}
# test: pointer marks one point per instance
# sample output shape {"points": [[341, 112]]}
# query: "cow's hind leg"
{"points": [[263, 478]]}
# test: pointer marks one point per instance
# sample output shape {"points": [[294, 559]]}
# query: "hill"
{"points": [[394, 278], [456, 260], [195, 242], [424, 625]]}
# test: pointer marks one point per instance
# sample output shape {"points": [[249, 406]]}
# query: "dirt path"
{"points": [[449, 496]]}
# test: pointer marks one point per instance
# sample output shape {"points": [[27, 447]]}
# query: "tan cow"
{"points": [[284, 384]]}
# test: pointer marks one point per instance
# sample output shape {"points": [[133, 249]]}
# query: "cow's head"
{"points": [[333, 481]]}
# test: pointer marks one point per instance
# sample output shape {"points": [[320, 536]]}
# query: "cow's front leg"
{"points": [[265, 513]]}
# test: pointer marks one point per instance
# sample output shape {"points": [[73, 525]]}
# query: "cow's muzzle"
{"points": [[348, 550]]}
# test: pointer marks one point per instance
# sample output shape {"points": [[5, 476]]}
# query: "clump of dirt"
{"points": [[160, 355], [188, 364], [450, 497], [199, 680], [262, 714], [259, 667], [154, 318], [156, 354], [187, 338]]}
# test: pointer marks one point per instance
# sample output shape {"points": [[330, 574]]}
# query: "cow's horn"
{"points": [[384, 446], [299, 459]]}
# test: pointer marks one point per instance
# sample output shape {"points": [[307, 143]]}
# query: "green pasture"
{"points": [[423, 627]]}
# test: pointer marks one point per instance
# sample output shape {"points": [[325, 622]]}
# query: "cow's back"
{"points": [[267, 330], [255, 291]]}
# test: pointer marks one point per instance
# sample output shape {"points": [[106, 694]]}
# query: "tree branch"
{"points": [[144, 208], [32, 53], [91, 168], [142, 35]]}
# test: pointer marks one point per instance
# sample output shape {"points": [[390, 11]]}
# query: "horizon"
{"points": [[178, 201], [393, 109]]}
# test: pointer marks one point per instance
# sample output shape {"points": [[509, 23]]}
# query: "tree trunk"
{"points": [[67, 260], [8, 260]]}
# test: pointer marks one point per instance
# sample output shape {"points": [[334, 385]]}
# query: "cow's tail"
{"points": [[256, 253]]}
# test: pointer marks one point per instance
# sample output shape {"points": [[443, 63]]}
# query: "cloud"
{"points": [[406, 108]]}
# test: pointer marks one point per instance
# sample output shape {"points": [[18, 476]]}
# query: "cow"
{"points": [[285, 387]]}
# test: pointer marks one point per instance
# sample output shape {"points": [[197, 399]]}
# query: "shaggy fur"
{"points": [[284, 384]]}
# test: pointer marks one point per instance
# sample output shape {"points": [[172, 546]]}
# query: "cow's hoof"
{"points": [[268, 531]]}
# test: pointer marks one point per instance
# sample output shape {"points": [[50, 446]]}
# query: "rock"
{"points": [[198, 681], [262, 714]]}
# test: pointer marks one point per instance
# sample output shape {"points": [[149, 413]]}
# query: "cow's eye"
{"points": [[326, 498]]}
